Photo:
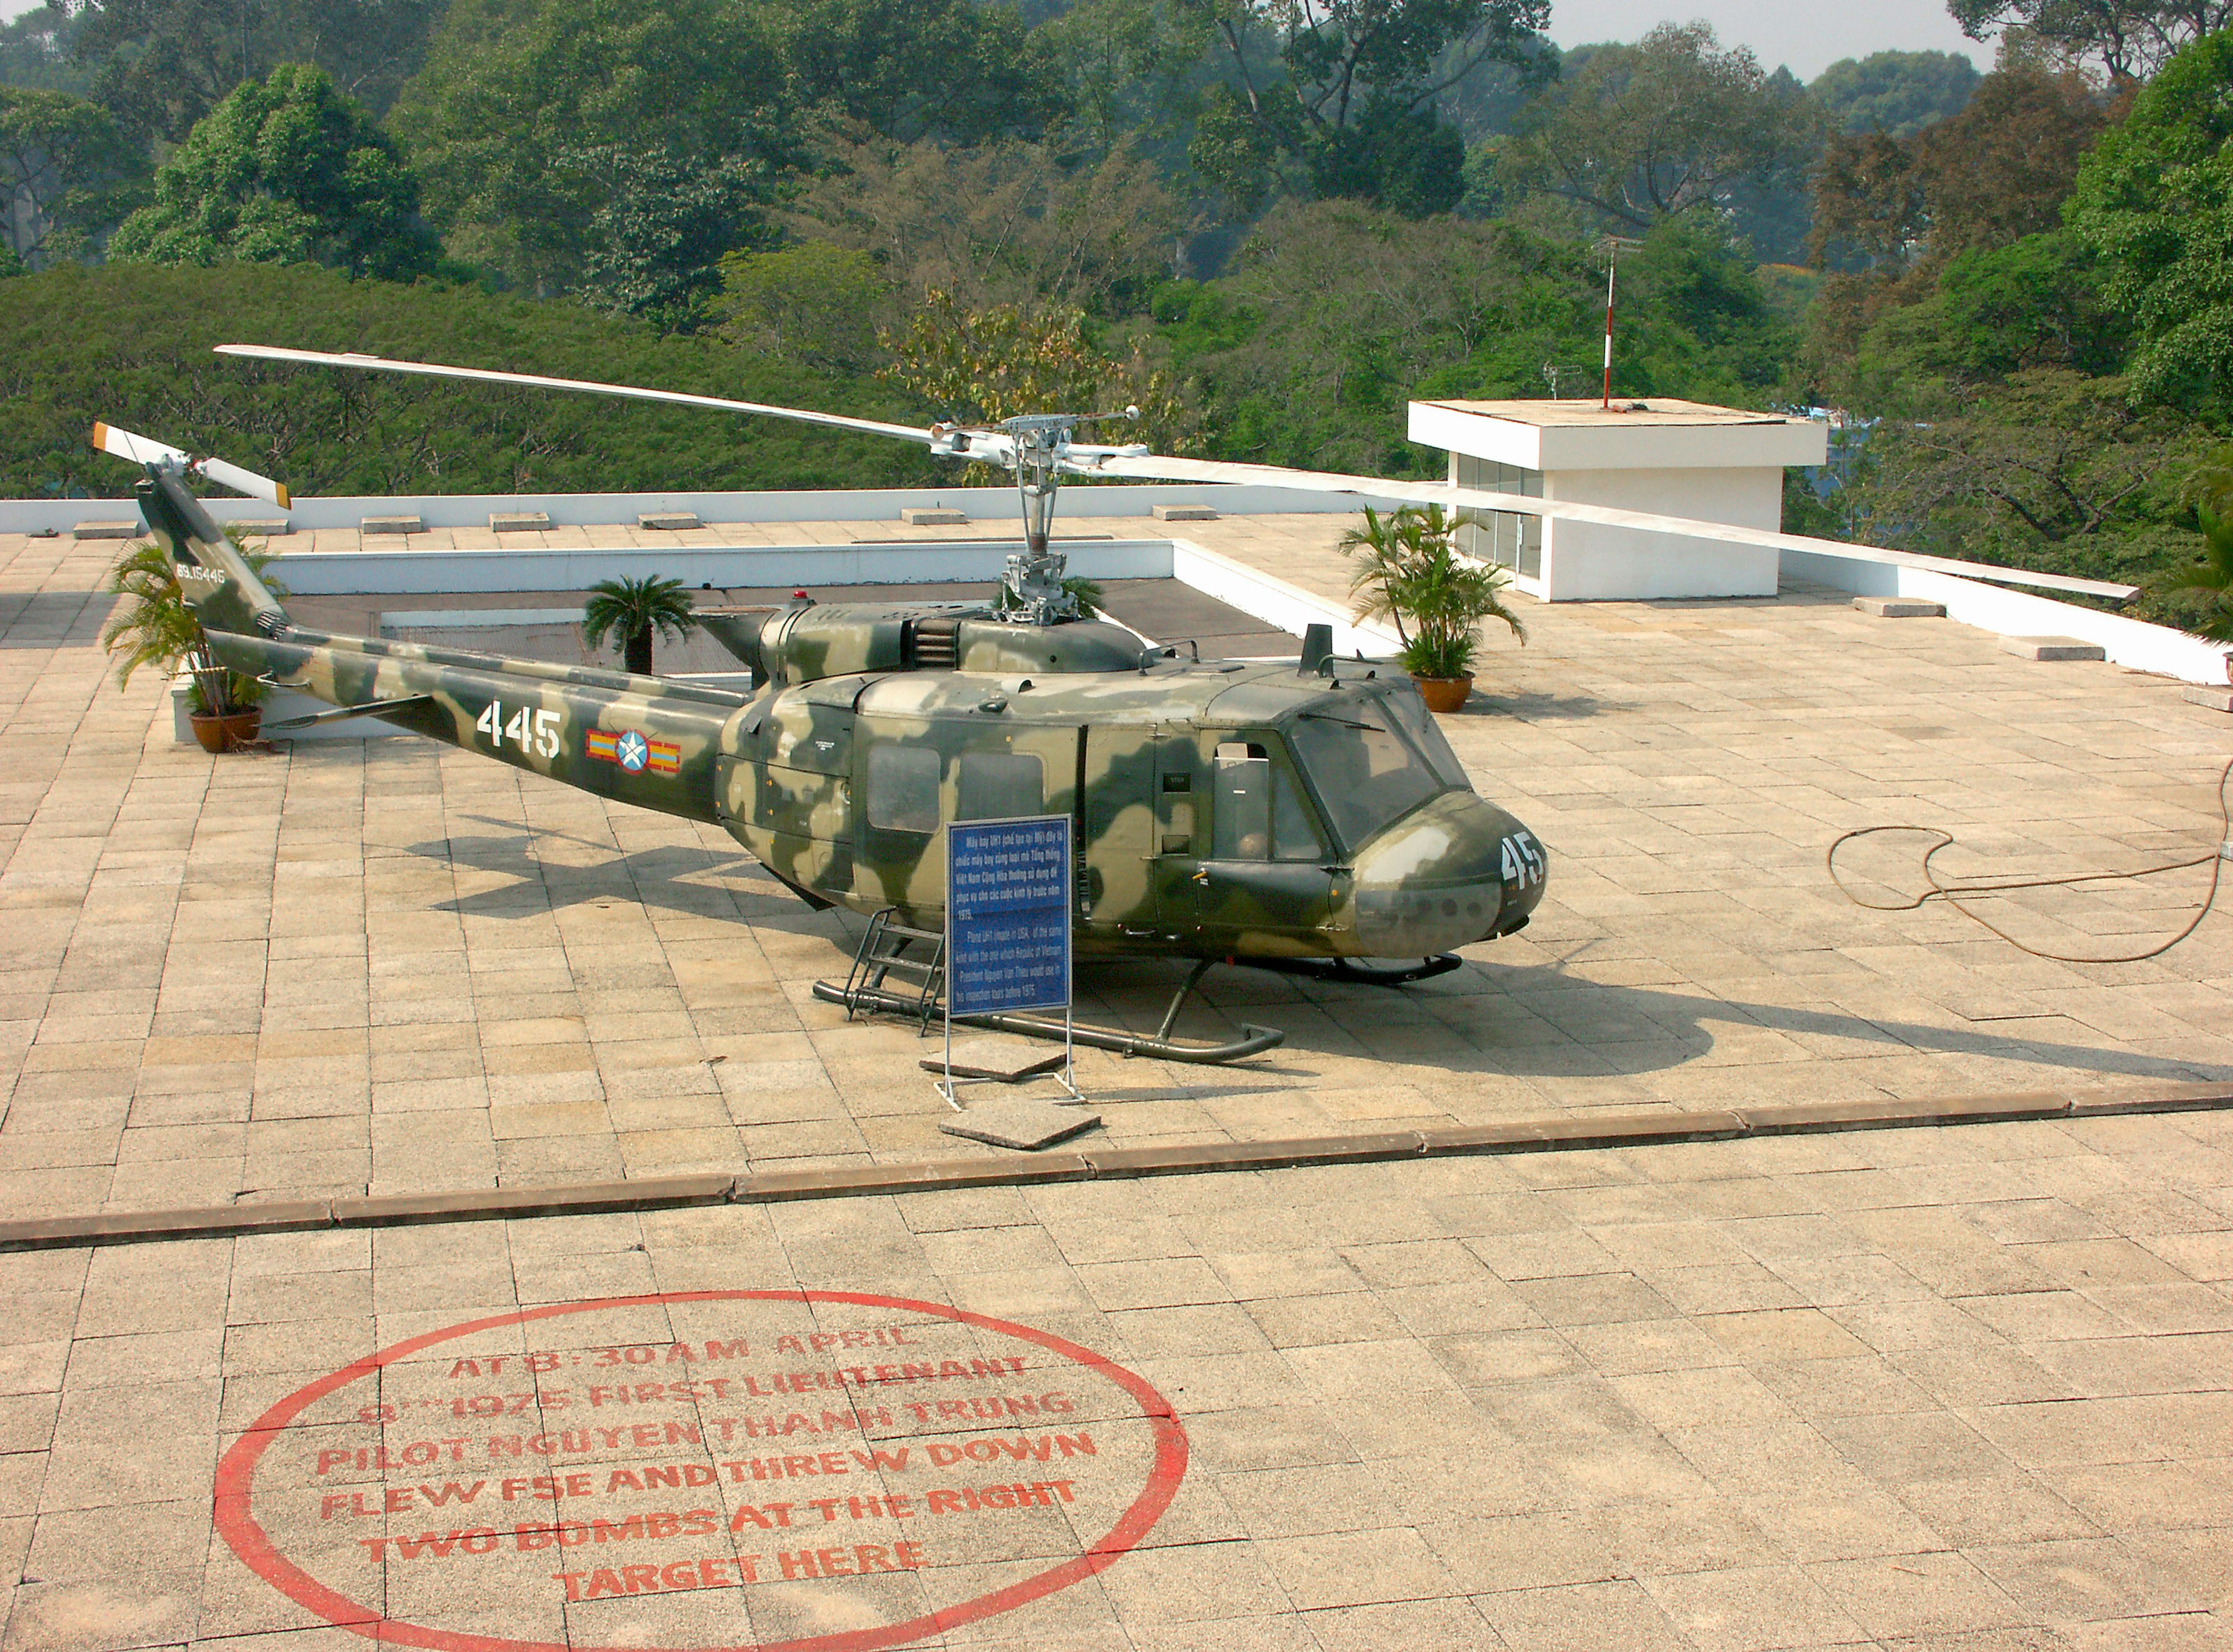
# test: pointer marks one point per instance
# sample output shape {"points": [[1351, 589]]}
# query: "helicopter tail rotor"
{"points": [[146, 450]]}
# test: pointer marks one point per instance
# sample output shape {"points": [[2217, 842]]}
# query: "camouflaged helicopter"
{"points": [[1296, 814]]}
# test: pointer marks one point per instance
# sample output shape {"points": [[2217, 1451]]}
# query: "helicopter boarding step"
{"points": [[900, 969]]}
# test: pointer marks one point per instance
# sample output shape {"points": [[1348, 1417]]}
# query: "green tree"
{"points": [[1889, 212], [1131, 68], [2154, 200], [996, 363], [62, 156], [662, 224], [161, 65], [2132, 39], [1347, 90], [1673, 124], [284, 171], [555, 137], [1997, 311], [1898, 94], [630, 610], [1004, 223], [35, 51], [10, 265], [811, 301], [2047, 469], [960, 71]]}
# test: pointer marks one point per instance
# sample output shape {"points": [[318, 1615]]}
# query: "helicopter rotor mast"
{"points": [[1035, 446]]}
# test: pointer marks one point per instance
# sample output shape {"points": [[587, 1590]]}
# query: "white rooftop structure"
{"points": [[1671, 458]]}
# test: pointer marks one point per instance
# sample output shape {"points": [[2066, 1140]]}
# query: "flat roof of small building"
{"points": [[1626, 410]]}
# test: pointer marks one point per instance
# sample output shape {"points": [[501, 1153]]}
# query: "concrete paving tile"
{"points": [[1356, 1568], [1617, 1615], [1593, 1299], [1752, 1608], [1163, 1587], [1454, 1624], [2079, 1580], [1916, 1595]]}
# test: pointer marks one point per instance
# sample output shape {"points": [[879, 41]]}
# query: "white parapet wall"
{"points": [[405, 571], [2133, 643], [999, 504]]}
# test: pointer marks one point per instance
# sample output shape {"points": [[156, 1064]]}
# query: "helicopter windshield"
{"points": [[1367, 773]]}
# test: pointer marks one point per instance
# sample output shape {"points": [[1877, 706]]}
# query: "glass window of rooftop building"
{"points": [[1503, 537]]}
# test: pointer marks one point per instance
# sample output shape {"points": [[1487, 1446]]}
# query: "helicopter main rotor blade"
{"points": [[1157, 468], [626, 392]]}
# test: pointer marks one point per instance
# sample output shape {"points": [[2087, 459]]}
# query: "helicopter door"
{"points": [[1117, 827], [1181, 836], [1263, 870], [799, 795]]}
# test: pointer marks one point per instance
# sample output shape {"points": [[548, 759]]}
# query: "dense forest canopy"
{"points": [[1270, 223]]}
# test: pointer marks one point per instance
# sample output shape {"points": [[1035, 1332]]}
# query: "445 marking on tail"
{"points": [[534, 732]]}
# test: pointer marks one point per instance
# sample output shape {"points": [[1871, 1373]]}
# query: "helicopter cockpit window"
{"points": [[1415, 720], [902, 789], [1260, 814], [1368, 774], [999, 786]]}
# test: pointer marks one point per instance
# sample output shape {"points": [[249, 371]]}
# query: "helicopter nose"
{"points": [[1458, 870]]}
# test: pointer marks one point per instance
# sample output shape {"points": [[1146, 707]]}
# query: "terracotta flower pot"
{"points": [[222, 734], [1444, 693]]}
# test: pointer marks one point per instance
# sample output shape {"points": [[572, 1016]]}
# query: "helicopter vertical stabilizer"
{"points": [[220, 586]]}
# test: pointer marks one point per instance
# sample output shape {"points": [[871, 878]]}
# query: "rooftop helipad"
{"points": [[392, 967]]}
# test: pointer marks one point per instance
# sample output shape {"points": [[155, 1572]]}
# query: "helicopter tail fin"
{"points": [[220, 587]]}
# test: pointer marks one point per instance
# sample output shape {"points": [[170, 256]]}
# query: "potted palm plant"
{"points": [[156, 626], [1411, 574], [630, 610]]}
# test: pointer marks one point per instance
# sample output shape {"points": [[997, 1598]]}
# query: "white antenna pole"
{"points": [[1612, 257]]}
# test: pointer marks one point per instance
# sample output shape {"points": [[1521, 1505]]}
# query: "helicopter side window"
{"points": [[1240, 819], [1261, 814], [999, 786], [902, 789]]}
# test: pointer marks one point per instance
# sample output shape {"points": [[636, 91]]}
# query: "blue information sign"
{"points": [[1007, 915]]}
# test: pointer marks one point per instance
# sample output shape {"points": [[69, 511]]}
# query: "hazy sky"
{"points": [[1806, 35]]}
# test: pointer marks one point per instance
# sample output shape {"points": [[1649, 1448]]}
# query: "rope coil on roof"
{"points": [[1951, 894]]}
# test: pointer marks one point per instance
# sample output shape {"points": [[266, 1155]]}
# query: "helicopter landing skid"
{"points": [[1156, 1046], [1342, 969]]}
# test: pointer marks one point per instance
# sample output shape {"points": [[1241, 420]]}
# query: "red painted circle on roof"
{"points": [[241, 1528]]}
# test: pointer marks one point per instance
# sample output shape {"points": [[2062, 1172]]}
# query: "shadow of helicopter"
{"points": [[1525, 1021], [1532, 705], [1539, 1021], [675, 878]]}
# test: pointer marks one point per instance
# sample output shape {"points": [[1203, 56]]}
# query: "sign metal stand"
{"points": [[1007, 932]]}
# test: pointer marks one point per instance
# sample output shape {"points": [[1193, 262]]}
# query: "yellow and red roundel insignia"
{"points": [[632, 751]]}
